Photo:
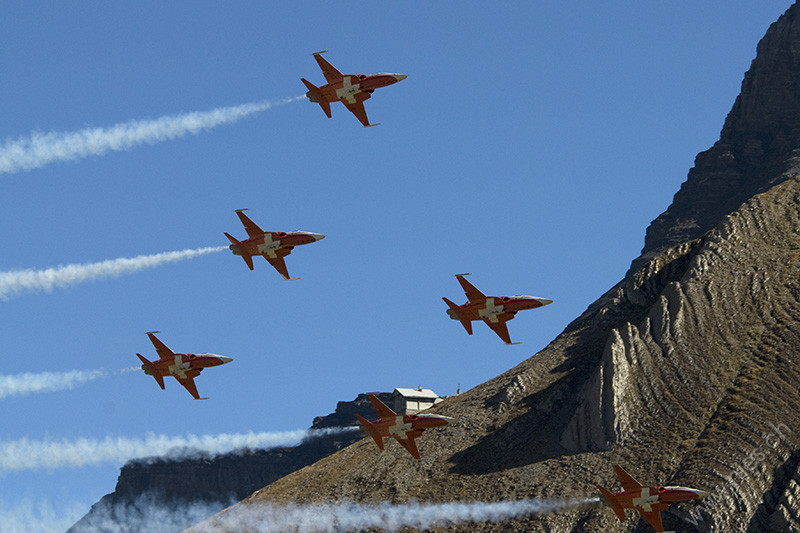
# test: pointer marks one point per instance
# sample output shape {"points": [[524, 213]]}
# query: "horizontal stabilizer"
{"points": [[455, 312], [313, 91], [613, 502], [247, 258], [148, 368], [367, 425]]}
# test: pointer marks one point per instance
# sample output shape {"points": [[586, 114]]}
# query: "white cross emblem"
{"points": [[178, 368], [269, 246], [490, 311], [644, 501], [399, 428], [348, 90]]}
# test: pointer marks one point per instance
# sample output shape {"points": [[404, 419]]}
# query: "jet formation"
{"points": [[404, 428], [182, 366], [649, 501], [349, 89], [272, 245], [495, 311]]}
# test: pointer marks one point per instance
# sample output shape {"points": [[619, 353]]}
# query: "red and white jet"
{"points": [[273, 245], [349, 89], [494, 310], [404, 428], [182, 366], [649, 501]]}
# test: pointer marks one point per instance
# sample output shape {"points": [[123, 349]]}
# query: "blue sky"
{"points": [[530, 145]]}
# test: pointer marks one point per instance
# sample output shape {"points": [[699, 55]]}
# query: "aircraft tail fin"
{"points": [[613, 502], [369, 429], [247, 259], [148, 368], [455, 313], [314, 96]]}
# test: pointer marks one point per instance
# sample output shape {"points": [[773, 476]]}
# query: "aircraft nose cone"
{"points": [[701, 493], [400, 77], [225, 359], [317, 236], [545, 301]]}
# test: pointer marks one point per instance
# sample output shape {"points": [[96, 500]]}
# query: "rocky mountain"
{"points": [[686, 372], [216, 481]]}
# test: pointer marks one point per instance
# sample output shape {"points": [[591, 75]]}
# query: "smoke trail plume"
{"points": [[16, 281], [27, 454], [338, 517], [29, 383], [42, 148], [146, 513], [39, 516]]}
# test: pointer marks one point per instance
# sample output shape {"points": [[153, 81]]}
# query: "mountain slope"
{"points": [[686, 372]]}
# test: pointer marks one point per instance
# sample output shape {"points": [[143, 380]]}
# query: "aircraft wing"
{"points": [[628, 483], [189, 385], [409, 444], [383, 410], [359, 111], [161, 349], [473, 294], [278, 263], [250, 227], [500, 327], [329, 71], [654, 516]]}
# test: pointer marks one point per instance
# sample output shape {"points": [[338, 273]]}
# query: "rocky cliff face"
{"points": [[686, 372], [756, 148], [214, 482]]}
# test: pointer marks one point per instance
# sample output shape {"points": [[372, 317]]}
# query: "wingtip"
{"points": [[151, 332], [462, 275], [318, 53], [240, 210]]}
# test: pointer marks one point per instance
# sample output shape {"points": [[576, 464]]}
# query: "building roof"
{"points": [[418, 393]]}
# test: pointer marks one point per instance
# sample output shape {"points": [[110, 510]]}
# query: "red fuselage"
{"points": [[648, 497], [408, 426], [496, 305], [184, 365], [270, 243], [351, 88]]}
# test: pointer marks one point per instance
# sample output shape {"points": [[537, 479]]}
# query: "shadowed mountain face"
{"points": [[756, 150], [204, 485], [686, 372]]}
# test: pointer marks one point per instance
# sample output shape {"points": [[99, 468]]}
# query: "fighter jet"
{"points": [[349, 89], [182, 366], [494, 310], [404, 428], [649, 501], [273, 245]]}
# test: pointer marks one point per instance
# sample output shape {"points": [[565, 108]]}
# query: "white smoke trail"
{"points": [[30, 383], [16, 281], [42, 148], [146, 513], [27, 454], [339, 517], [38, 516]]}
